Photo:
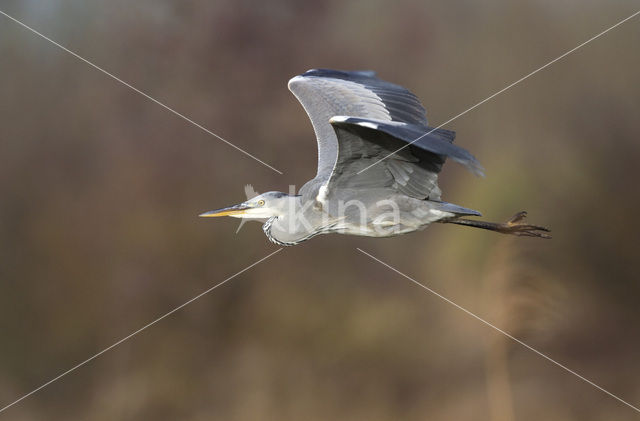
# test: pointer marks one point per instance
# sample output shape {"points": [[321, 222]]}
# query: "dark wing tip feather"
{"points": [[340, 74], [437, 141]]}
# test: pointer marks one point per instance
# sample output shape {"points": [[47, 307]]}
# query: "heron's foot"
{"points": [[516, 226]]}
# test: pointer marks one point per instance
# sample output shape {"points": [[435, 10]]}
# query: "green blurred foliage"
{"points": [[100, 188]]}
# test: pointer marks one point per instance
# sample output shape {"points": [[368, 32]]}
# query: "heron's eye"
{"points": [[260, 202]]}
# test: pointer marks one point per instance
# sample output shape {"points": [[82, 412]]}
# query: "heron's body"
{"points": [[378, 165], [394, 215]]}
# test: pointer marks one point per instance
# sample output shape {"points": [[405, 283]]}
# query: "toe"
{"points": [[517, 218]]}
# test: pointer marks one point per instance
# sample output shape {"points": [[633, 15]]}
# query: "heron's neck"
{"points": [[294, 225], [275, 236]]}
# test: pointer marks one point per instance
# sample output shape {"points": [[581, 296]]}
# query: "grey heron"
{"points": [[378, 165]]}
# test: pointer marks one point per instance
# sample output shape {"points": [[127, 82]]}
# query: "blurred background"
{"points": [[100, 190]]}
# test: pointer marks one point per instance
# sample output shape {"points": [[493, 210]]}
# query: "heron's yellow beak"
{"points": [[240, 209]]}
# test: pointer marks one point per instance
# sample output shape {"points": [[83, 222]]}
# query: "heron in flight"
{"points": [[378, 166]]}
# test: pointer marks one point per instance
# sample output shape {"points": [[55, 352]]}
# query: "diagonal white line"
{"points": [[505, 88], [499, 330], [182, 116], [136, 332]]}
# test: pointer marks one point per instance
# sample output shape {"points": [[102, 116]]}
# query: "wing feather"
{"points": [[412, 171], [326, 93], [436, 141]]}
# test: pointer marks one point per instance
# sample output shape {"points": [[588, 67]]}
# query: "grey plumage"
{"points": [[378, 166]]}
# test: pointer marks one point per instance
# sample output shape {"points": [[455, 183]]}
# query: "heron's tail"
{"points": [[458, 210]]}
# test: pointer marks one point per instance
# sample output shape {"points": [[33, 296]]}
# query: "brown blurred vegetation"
{"points": [[100, 188]]}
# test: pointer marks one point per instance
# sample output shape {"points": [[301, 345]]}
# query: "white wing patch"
{"points": [[323, 191]]}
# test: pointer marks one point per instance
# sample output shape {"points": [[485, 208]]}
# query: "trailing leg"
{"points": [[513, 226]]}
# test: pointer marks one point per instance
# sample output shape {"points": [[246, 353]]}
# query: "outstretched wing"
{"points": [[326, 93], [412, 170]]}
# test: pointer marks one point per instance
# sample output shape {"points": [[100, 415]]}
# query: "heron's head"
{"points": [[261, 207]]}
